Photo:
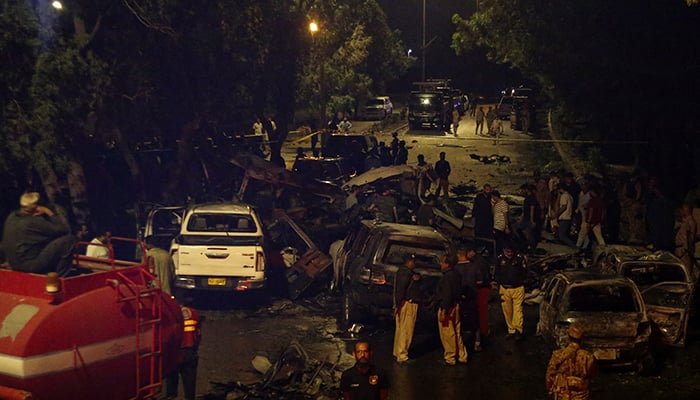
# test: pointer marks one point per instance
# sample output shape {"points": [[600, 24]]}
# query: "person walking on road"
{"points": [[509, 278], [364, 381], [479, 117], [490, 117], [571, 369], [447, 293], [442, 169], [406, 296]]}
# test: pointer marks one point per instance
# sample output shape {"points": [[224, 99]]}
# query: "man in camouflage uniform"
{"points": [[571, 369]]}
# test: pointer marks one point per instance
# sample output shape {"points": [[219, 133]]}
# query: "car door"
{"points": [[668, 307], [162, 225], [549, 307]]}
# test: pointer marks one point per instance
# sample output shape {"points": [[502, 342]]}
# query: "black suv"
{"points": [[366, 264], [323, 169]]}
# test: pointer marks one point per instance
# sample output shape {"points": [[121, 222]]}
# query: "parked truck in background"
{"points": [[431, 105]]}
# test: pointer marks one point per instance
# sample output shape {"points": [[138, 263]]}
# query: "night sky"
{"points": [[471, 72]]}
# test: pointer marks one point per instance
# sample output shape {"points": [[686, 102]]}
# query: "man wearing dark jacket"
{"points": [[446, 299], [406, 297], [37, 240], [509, 277]]}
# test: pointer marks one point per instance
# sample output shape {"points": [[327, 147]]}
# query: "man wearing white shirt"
{"points": [[99, 251], [564, 214]]}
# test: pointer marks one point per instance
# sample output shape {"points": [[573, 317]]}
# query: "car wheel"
{"points": [[646, 364]]}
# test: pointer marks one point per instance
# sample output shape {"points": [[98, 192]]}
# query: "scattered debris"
{"points": [[493, 158]]}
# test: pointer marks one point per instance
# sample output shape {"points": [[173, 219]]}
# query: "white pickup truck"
{"points": [[219, 247]]}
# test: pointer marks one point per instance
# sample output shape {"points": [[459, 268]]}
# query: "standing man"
{"points": [[571, 369], [685, 238], [442, 170], [564, 215], [509, 278], [501, 227], [364, 381], [468, 307], [490, 117], [98, 248], [406, 297], [529, 224], [483, 292], [189, 347], [479, 130], [593, 221], [447, 294], [163, 266], [482, 212], [37, 240]]}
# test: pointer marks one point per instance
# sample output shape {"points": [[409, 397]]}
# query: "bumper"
{"points": [[218, 283]]}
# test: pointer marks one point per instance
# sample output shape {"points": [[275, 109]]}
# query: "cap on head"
{"points": [[29, 199], [575, 332]]}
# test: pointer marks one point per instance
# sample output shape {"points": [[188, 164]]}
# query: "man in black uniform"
{"points": [[447, 293], [364, 381], [483, 214], [509, 277]]}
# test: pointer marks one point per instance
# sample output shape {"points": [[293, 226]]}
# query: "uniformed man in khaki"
{"points": [[571, 369]]}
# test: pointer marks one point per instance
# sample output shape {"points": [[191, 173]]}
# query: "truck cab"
{"points": [[219, 247]]}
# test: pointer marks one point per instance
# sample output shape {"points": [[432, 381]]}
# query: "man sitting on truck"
{"points": [[37, 240]]}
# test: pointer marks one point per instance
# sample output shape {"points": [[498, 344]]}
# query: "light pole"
{"points": [[423, 47]]}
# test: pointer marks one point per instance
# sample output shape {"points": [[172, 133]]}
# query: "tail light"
{"points": [[376, 277], [259, 262]]}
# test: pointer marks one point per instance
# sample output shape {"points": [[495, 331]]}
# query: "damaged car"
{"points": [[667, 286], [370, 256], [611, 310]]}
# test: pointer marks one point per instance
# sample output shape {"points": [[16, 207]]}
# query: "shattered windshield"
{"points": [[427, 254], [667, 295], [646, 274], [603, 298]]}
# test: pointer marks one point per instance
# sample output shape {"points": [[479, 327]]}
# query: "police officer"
{"points": [[406, 296], [364, 381], [188, 368], [509, 278], [447, 294], [571, 369]]}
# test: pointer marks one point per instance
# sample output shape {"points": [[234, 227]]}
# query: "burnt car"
{"points": [[332, 170], [611, 310], [667, 286], [369, 257]]}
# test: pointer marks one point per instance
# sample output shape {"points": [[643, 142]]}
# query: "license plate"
{"points": [[605, 354], [216, 281]]}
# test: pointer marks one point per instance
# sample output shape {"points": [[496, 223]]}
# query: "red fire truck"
{"points": [[106, 332]]}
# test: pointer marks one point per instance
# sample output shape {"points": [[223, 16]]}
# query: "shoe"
{"points": [[477, 347], [447, 364], [519, 337], [405, 362], [463, 362], [510, 336]]}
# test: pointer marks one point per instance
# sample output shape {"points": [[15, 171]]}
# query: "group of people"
{"points": [[461, 305], [460, 300], [560, 205]]}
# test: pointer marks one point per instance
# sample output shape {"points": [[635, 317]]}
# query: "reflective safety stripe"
{"points": [[190, 329], [190, 322]]}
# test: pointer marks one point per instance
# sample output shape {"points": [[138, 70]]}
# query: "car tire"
{"points": [[646, 364]]}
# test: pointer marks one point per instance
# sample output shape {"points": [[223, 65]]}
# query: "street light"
{"points": [[313, 27], [57, 5]]}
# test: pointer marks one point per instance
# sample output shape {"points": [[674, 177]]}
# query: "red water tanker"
{"points": [[107, 333]]}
